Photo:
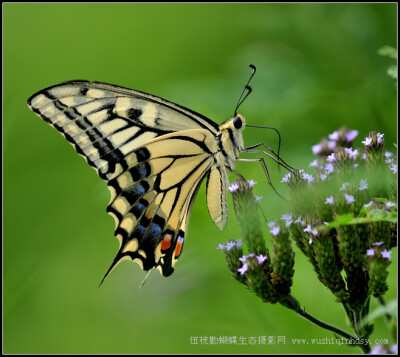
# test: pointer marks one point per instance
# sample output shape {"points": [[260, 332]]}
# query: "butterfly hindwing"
{"points": [[151, 199]]}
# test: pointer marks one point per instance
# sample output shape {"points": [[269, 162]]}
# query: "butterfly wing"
{"points": [[104, 122], [151, 200], [153, 154]]}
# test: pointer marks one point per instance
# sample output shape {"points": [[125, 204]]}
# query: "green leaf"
{"points": [[389, 309]]}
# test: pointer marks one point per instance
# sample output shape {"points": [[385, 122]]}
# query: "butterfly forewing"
{"points": [[154, 155]]}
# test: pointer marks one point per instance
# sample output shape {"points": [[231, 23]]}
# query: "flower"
{"points": [[300, 221], [307, 177], [393, 168], [323, 177], [329, 168], [258, 198], [386, 254], [287, 177], [379, 138], [230, 245], [313, 232], [390, 204], [244, 269], [233, 187], [251, 183], [334, 136], [367, 142], [351, 135], [331, 158], [371, 252], [316, 149], [331, 145], [288, 218], [239, 243], [352, 153], [344, 186], [349, 198], [363, 185], [368, 204], [314, 163], [221, 246], [275, 230], [261, 258], [378, 243], [388, 154], [330, 201]]}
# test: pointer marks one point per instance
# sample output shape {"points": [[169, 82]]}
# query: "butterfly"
{"points": [[153, 154]]}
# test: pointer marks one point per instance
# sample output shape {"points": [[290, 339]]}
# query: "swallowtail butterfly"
{"points": [[153, 154]]}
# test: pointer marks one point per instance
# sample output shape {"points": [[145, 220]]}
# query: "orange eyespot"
{"points": [[178, 248], [166, 242]]}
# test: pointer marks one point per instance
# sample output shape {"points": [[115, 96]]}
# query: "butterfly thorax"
{"points": [[231, 139]]}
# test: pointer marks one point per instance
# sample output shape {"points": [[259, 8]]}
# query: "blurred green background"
{"points": [[317, 69]]}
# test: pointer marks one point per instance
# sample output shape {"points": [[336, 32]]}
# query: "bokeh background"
{"points": [[317, 69]]}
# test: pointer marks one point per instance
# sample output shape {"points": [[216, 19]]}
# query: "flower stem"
{"points": [[291, 303]]}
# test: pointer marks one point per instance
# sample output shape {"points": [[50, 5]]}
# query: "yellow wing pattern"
{"points": [[154, 155]]}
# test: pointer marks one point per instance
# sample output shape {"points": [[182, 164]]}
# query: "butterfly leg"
{"points": [[264, 166], [276, 159]]}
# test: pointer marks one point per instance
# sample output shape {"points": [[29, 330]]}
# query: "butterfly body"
{"points": [[153, 154]]}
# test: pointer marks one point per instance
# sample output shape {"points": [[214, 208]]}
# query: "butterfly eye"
{"points": [[237, 123]]}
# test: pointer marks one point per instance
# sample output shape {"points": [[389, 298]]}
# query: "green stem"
{"points": [[291, 303]]}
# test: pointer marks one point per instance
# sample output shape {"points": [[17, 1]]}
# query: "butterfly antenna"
{"points": [[246, 87]]}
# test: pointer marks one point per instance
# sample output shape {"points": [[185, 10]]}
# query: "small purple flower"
{"points": [[349, 198], [364, 156], [344, 186], [261, 258], [307, 177], [288, 217], [230, 245], [239, 243], [388, 160], [393, 349], [368, 204], [330, 201], [351, 135], [313, 232], [388, 154], [363, 185], [379, 138], [275, 230], [329, 168], [271, 224], [389, 204], [323, 177], [386, 254], [316, 149], [243, 259], [331, 158], [244, 269], [221, 246], [258, 198], [300, 221], [251, 183], [352, 153], [233, 187], [377, 244], [331, 145], [371, 252], [287, 177], [367, 142], [314, 163], [393, 168], [334, 136]]}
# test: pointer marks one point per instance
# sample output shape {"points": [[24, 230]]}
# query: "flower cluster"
{"points": [[344, 211], [269, 276]]}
